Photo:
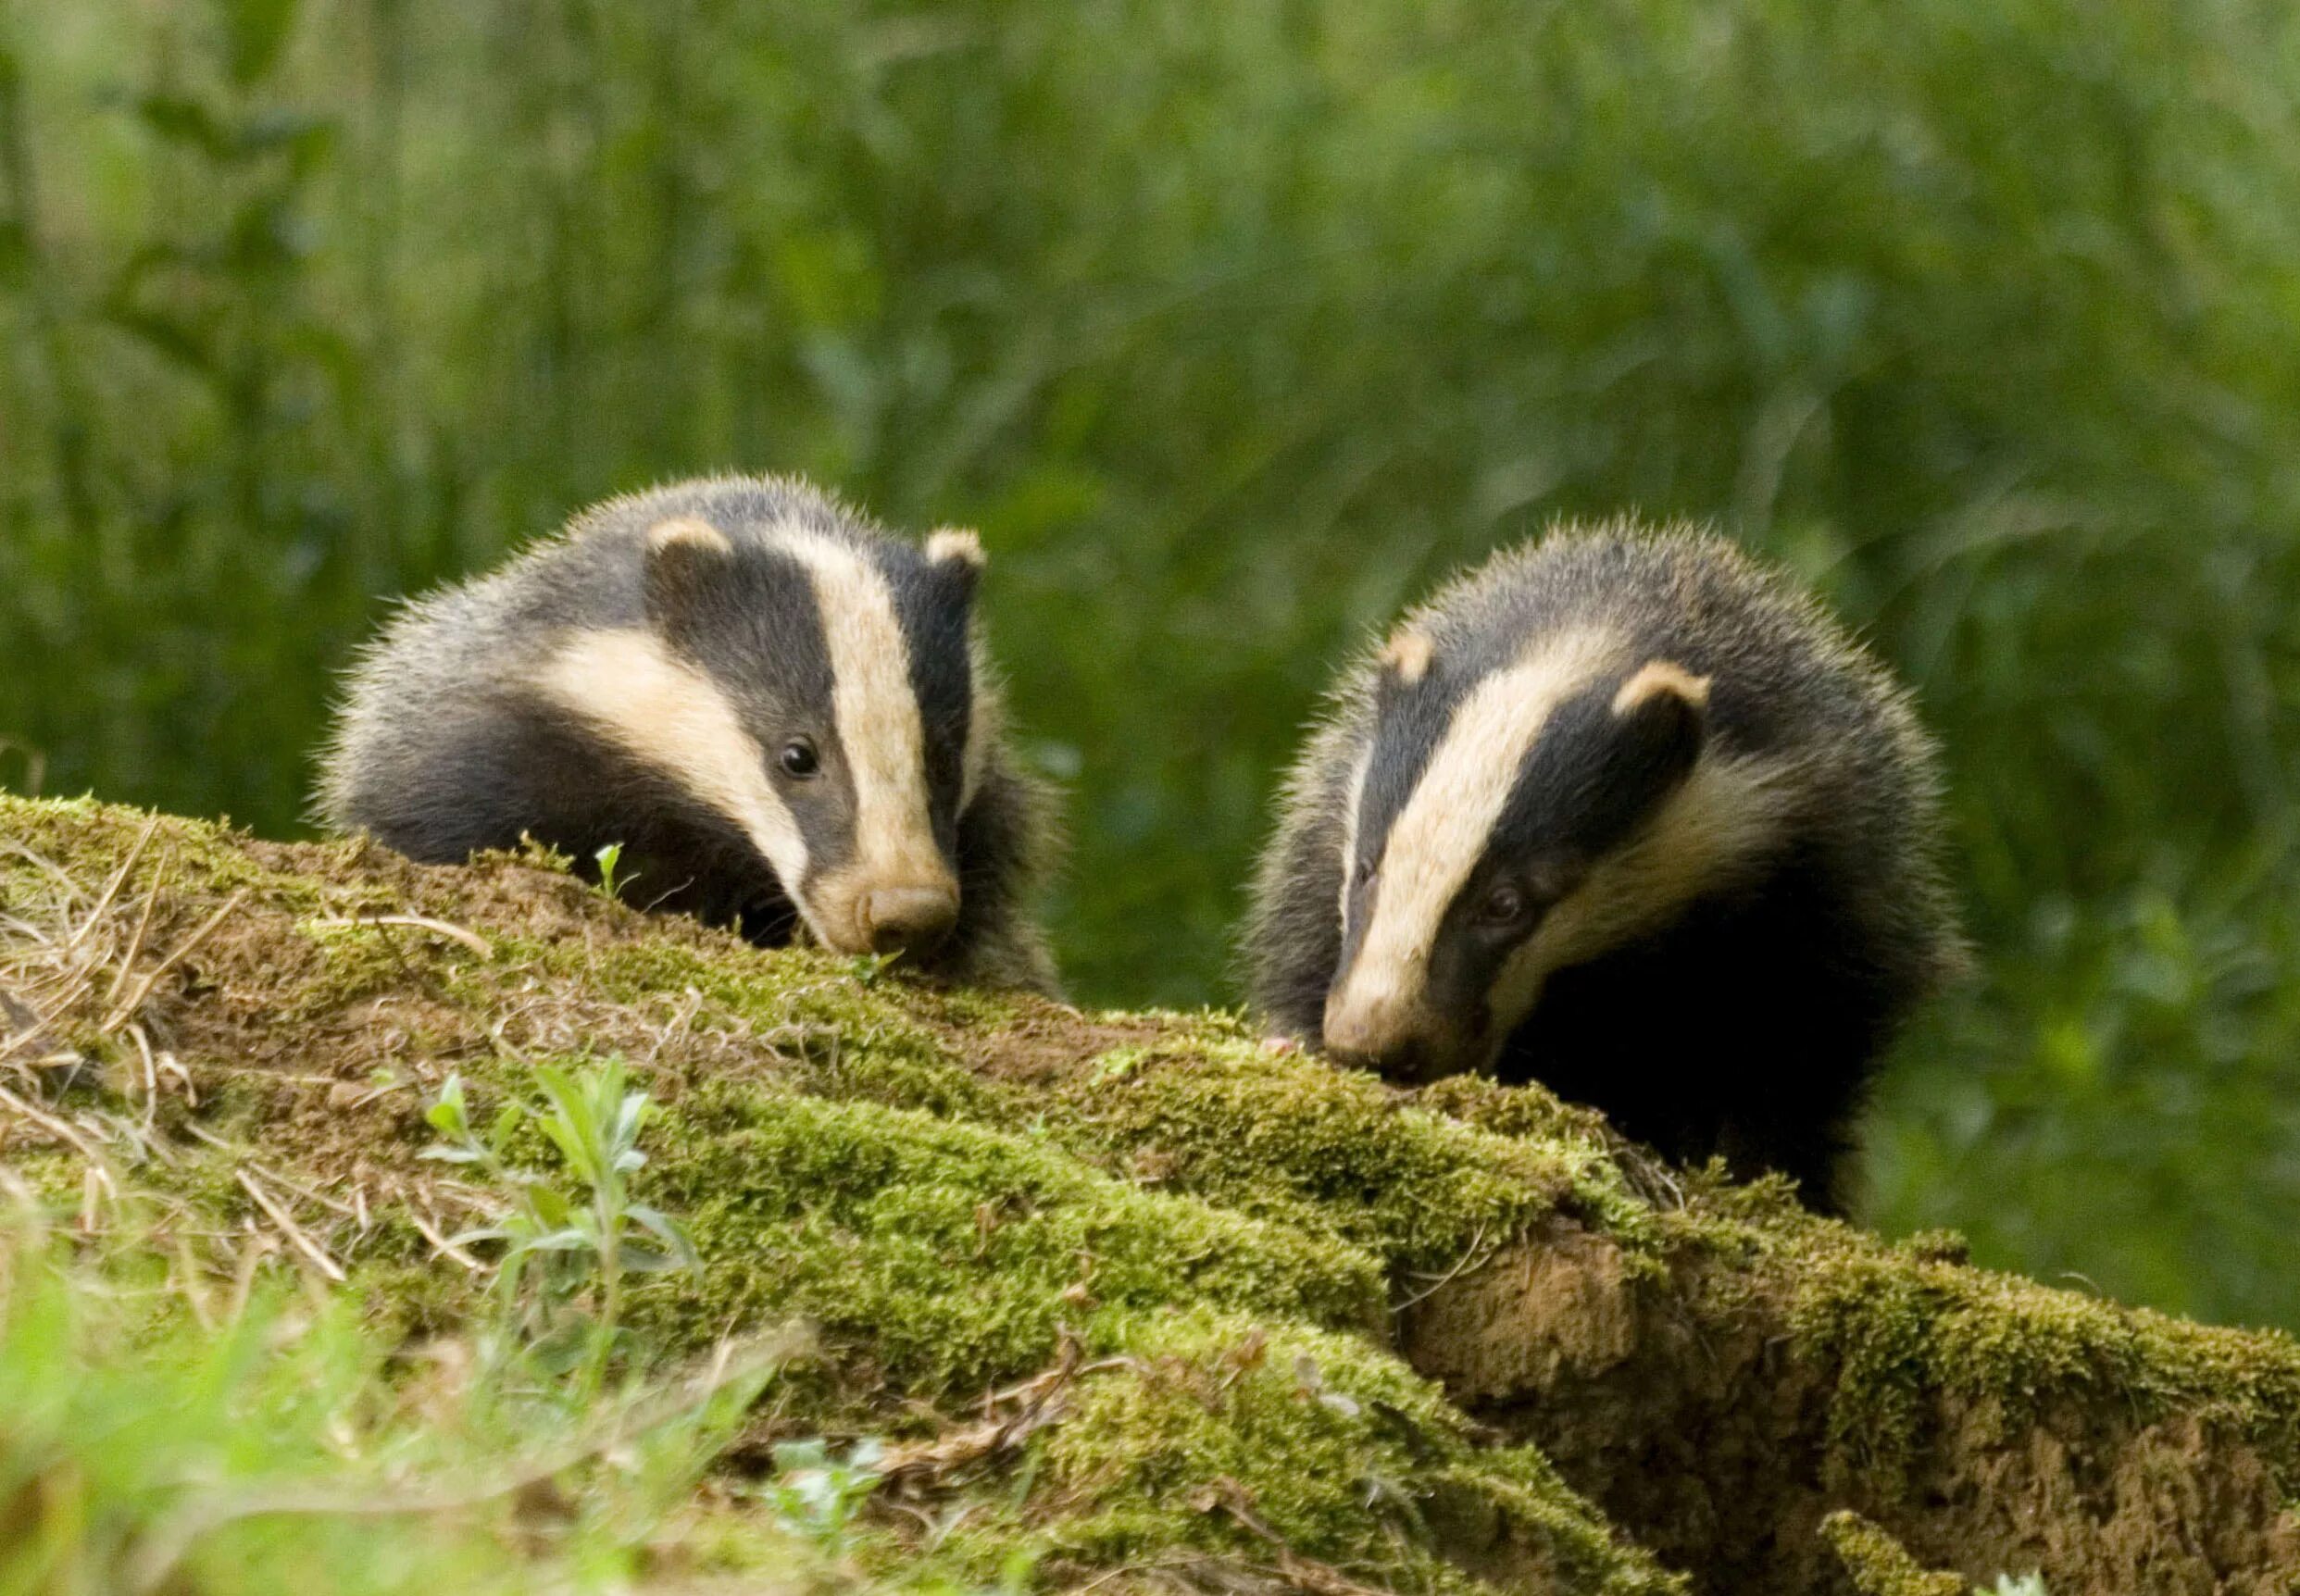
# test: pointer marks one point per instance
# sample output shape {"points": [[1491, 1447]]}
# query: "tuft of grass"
{"points": [[556, 1243], [155, 1441]]}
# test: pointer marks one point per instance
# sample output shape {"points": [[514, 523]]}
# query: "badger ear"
{"points": [[956, 556], [1405, 658], [1664, 714], [947, 544], [686, 557]]}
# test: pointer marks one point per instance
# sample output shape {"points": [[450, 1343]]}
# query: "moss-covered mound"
{"points": [[1135, 1293]]}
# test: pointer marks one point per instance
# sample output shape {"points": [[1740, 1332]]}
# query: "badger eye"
{"points": [[799, 759], [1504, 904]]}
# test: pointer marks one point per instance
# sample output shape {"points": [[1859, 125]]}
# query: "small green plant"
{"points": [[611, 880], [2022, 1585], [557, 1242], [817, 1495]]}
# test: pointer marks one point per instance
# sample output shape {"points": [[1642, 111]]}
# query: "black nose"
{"points": [[903, 918], [1403, 1062]]}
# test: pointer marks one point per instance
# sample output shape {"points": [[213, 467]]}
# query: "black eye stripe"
{"points": [[933, 615]]}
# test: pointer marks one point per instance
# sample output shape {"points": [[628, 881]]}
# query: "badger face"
{"points": [[1505, 823], [815, 690]]}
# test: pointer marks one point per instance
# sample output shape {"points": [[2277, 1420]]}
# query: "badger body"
{"points": [[1623, 813], [783, 716]]}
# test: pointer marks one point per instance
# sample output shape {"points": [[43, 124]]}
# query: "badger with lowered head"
{"points": [[1625, 813], [784, 716]]}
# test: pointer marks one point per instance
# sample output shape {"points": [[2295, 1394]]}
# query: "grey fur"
{"points": [[445, 746]]}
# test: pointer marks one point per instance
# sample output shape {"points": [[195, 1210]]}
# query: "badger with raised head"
{"points": [[784, 716], [1625, 813]]}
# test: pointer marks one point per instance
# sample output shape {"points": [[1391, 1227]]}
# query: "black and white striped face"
{"points": [[818, 691], [1506, 822]]}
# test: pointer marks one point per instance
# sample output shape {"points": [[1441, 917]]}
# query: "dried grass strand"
{"points": [[288, 1228], [455, 934], [183, 951], [61, 1129], [112, 886]]}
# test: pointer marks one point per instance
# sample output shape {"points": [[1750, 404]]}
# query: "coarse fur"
{"points": [[634, 681], [1623, 812]]}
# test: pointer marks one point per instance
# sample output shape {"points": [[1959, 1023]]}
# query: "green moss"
{"points": [[955, 1253], [1877, 1565], [1216, 1435], [56, 1175], [980, 1008], [88, 840], [1293, 1139], [1512, 1111], [833, 1034], [358, 961], [1901, 1336]]}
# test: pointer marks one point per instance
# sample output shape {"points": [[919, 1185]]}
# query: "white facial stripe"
{"points": [[1441, 833], [1723, 821], [875, 710], [671, 717]]}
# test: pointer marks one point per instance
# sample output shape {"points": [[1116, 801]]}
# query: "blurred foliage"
{"points": [[171, 1429], [1232, 328]]}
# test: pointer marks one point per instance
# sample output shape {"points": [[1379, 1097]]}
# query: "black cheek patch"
{"points": [[1363, 899], [1656, 744], [933, 604], [759, 634], [1464, 965], [792, 692], [1593, 777], [1412, 721]]}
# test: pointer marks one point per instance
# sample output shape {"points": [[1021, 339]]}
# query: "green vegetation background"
{"points": [[1232, 327]]}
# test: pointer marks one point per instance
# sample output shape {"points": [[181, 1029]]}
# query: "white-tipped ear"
{"points": [[687, 531], [957, 543], [1407, 656], [687, 561], [1656, 677]]}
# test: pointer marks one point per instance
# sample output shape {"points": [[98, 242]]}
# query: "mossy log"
{"points": [[1160, 1302]]}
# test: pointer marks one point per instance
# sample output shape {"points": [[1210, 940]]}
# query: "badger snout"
{"points": [[894, 920], [1381, 1036], [1389, 1034], [1405, 1063]]}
